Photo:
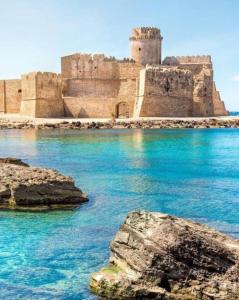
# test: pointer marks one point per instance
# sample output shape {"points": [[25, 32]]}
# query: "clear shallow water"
{"points": [[188, 173]]}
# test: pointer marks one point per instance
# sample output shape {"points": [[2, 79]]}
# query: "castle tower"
{"points": [[145, 43]]}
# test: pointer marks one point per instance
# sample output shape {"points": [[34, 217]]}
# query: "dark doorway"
{"points": [[122, 110]]}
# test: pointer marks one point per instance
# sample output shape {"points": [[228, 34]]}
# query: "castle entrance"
{"points": [[122, 110]]}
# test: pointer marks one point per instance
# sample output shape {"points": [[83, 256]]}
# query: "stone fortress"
{"points": [[96, 86]]}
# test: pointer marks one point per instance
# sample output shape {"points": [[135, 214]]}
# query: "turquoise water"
{"points": [[234, 113], [189, 173]]}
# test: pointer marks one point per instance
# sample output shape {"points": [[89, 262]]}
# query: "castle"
{"points": [[96, 86]]}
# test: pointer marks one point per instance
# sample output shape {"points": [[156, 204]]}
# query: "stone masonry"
{"points": [[96, 86]]}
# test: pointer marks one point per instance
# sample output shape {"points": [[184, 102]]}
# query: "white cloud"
{"points": [[235, 78]]}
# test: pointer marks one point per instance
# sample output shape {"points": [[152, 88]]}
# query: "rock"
{"points": [[28, 188], [170, 123], [157, 256], [14, 161]]}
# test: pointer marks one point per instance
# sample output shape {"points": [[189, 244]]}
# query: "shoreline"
{"points": [[20, 122]]}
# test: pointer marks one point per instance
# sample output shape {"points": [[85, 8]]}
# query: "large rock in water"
{"points": [[28, 188], [157, 256]]}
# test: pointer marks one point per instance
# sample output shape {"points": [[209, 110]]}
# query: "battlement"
{"points": [[173, 72], [87, 57], [145, 33], [42, 76], [177, 60]]}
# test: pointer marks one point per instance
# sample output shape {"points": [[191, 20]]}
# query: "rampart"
{"points": [[167, 92], [90, 77], [177, 60], [10, 96], [145, 33], [42, 95]]}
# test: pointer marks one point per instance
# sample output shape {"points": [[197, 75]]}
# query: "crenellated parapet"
{"points": [[42, 75], [93, 66], [197, 59], [145, 33]]}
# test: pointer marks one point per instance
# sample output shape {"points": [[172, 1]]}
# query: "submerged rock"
{"points": [[157, 256], [28, 188]]}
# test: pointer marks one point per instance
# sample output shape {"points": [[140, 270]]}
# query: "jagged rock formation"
{"points": [[28, 188], [157, 256]]}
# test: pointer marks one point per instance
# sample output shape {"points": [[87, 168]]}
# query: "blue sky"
{"points": [[35, 34]]}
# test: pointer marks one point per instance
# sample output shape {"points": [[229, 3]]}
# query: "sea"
{"points": [[189, 173], [234, 113]]}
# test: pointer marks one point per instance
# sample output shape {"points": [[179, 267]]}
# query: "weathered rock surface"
{"points": [[157, 256], [145, 124], [28, 188]]}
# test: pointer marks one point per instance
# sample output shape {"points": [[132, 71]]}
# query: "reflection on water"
{"points": [[189, 173]]}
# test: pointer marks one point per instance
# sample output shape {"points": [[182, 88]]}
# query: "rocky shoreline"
{"points": [[158, 256], [26, 188], [145, 124]]}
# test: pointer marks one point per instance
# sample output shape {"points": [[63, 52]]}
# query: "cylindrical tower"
{"points": [[145, 43]]}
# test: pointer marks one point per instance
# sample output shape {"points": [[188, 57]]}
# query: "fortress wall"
{"points": [[49, 100], [42, 95], [201, 67], [48, 86], [91, 88], [198, 59], [28, 105], [29, 86], [202, 97], [219, 108], [98, 91], [2, 97], [168, 93], [129, 70], [127, 94], [10, 96], [91, 102], [86, 66], [203, 87], [89, 107]]}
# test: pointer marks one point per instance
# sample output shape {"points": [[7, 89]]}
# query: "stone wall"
{"points": [[10, 96], [2, 97], [198, 59], [219, 108], [94, 85], [99, 98], [87, 66], [204, 94], [168, 92], [42, 95]]}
